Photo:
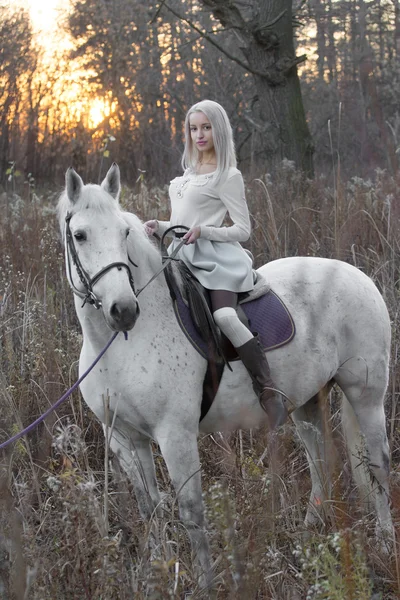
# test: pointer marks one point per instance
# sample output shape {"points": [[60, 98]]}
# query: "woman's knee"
{"points": [[229, 323], [225, 317]]}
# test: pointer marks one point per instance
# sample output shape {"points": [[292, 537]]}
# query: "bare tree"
{"points": [[263, 33], [17, 59], [396, 4]]}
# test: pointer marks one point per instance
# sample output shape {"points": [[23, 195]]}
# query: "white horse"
{"points": [[154, 378]]}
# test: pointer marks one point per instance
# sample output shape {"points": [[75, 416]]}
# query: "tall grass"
{"points": [[70, 530]]}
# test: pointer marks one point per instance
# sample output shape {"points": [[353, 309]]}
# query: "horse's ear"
{"points": [[74, 185], [112, 181]]}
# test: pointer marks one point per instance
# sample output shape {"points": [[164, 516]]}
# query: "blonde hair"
{"points": [[222, 138]]}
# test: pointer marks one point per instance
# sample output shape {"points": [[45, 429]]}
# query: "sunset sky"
{"points": [[45, 14]]}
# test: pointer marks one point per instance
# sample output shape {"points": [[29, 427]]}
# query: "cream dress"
{"points": [[217, 259]]}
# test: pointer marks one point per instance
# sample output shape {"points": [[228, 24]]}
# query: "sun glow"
{"points": [[45, 15], [69, 80], [98, 111], [92, 112]]}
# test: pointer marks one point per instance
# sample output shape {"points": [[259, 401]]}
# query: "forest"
{"points": [[312, 90], [142, 65]]}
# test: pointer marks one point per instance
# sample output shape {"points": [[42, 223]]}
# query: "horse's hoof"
{"points": [[385, 538]]}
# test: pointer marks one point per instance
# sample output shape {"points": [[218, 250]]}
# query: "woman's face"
{"points": [[201, 132]]}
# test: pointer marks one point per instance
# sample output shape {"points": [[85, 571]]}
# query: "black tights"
{"points": [[222, 298]]}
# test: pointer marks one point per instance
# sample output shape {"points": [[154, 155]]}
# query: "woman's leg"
{"points": [[249, 349], [224, 304]]}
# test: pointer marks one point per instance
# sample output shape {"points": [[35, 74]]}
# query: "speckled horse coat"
{"points": [[154, 379]]}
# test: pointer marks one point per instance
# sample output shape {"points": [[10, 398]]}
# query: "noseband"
{"points": [[88, 282]]}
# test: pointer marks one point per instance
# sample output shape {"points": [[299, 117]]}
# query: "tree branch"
{"points": [[226, 13], [274, 75], [288, 64], [270, 23], [207, 37], [153, 19]]}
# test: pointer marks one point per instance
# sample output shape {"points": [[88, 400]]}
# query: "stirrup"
{"points": [[277, 391]]}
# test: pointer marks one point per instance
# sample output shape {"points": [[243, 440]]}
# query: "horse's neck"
{"points": [[150, 289], [94, 327], [155, 299]]}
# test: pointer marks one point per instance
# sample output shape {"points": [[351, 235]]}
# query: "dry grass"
{"points": [[62, 538]]}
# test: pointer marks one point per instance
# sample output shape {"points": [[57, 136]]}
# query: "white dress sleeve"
{"points": [[163, 226], [231, 194]]}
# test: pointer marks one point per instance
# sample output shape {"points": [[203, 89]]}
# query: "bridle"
{"points": [[90, 298], [88, 282]]}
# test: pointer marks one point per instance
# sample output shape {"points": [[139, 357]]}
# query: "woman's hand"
{"points": [[192, 235], [151, 227]]}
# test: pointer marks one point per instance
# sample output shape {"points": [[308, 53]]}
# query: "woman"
{"points": [[211, 187]]}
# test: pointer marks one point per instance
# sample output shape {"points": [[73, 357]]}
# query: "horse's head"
{"points": [[95, 236]]}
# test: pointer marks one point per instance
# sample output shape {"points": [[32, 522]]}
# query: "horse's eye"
{"points": [[80, 236], [127, 232]]}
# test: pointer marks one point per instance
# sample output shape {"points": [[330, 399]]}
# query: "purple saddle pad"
{"points": [[267, 316]]}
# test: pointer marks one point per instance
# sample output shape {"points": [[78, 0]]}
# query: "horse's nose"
{"points": [[124, 315]]}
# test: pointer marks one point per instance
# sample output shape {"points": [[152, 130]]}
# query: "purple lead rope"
{"points": [[64, 397], [69, 392]]}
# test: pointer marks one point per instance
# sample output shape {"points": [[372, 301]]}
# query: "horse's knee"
{"points": [[191, 512]]}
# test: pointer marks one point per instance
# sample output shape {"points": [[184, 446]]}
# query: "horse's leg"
{"points": [[364, 426], [311, 428], [136, 458], [180, 451]]}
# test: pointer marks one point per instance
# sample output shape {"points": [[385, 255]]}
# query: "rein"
{"points": [[90, 298], [166, 259], [88, 282], [64, 397]]}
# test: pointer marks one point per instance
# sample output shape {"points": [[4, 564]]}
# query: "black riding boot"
{"points": [[253, 358]]}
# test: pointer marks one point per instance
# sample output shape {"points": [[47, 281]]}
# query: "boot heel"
{"points": [[275, 409]]}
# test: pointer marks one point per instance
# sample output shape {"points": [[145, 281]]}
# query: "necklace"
{"points": [[201, 164], [210, 162]]}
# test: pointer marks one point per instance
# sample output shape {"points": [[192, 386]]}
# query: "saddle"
{"points": [[192, 306], [198, 301]]}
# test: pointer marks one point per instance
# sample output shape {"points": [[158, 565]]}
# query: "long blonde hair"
{"points": [[222, 138]]}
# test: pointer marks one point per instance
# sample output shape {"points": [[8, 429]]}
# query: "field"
{"points": [[71, 531]]}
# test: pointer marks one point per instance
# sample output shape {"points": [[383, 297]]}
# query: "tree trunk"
{"points": [[266, 41], [271, 57], [319, 13], [397, 27], [331, 52]]}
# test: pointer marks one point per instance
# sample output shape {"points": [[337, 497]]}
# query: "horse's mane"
{"points": [[94, 197], [139, 243]]}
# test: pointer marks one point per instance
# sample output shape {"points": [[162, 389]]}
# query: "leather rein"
{"points": [[90, 298]]}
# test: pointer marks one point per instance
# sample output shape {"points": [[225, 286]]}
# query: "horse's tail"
{"points": [[356, 451]]}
